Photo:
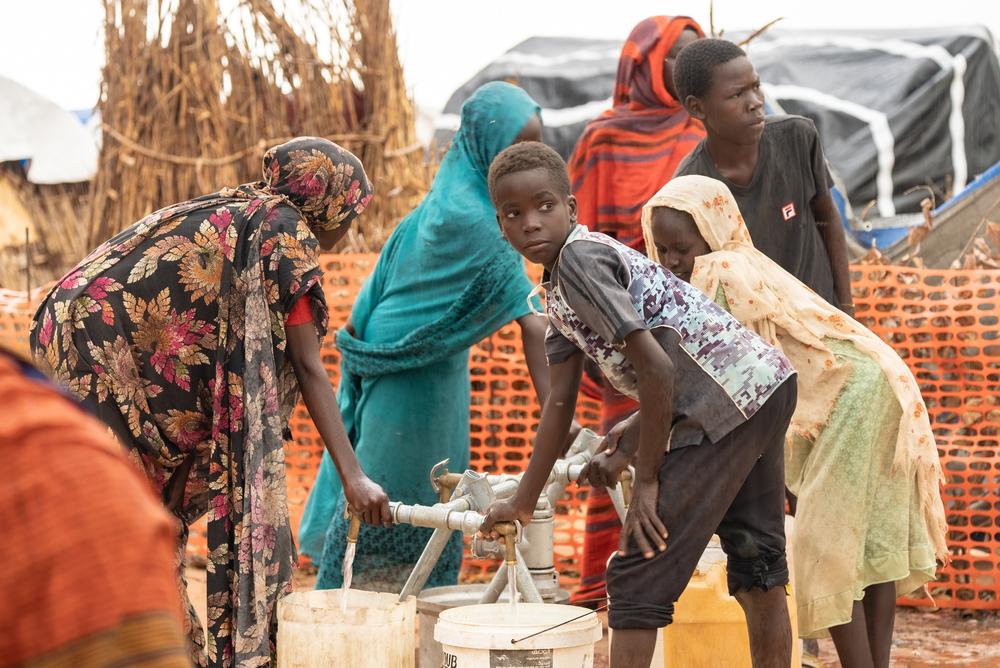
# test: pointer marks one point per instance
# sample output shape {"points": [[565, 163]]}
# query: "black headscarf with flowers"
{"points": [[173, 333], [325, 182]]}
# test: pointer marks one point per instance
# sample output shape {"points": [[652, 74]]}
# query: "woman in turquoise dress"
{"points": [[444, 281]]}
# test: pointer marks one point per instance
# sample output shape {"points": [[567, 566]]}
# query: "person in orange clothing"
{"points": [[622, 159], [88, 552]]}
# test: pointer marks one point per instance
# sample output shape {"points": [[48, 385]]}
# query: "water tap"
{"points": [[625, 478], [511, 532], [354, 528], [443, 481]]}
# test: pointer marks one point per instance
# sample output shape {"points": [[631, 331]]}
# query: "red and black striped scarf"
{"points": [[630, 151]]}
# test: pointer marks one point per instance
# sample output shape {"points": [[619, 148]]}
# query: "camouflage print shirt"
{"points": [[600, 291]]}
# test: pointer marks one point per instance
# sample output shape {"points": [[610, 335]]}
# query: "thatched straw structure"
{"points": [[193, 91], [39, 225]]}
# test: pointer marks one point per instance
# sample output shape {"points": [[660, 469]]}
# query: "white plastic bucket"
{"points": [[479, 636], [375, 631], [432, 602]]}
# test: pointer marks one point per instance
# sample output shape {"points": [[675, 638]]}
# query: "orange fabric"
{"points": [[301, 312], [87, 550], [627, 153], [615, 407], [140, 641], [624, 157]]}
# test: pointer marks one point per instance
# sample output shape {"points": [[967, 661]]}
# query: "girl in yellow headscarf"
{"points": [[860, 455]]}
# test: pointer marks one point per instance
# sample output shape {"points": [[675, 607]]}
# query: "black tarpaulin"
{"points": [[896, 109]]}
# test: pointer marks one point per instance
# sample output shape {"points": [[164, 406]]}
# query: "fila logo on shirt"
{"points": [[788, 211]]}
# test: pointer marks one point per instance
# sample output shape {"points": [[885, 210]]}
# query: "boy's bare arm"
{"points": [[557, 417], [655, 382], [533, 340], [835, 240], [533, 329]]}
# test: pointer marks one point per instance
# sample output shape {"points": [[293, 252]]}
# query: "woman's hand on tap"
{"points": [[368, 501]]}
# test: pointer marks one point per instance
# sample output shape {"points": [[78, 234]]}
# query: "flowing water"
{"points": [[348, 573], [512, 585]]}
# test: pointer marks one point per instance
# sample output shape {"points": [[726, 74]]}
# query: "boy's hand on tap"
{"points": [[605, 466], [503, 510], [368, 501]]}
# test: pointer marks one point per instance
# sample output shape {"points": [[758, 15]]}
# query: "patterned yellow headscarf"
{"points": [[786, 313]]}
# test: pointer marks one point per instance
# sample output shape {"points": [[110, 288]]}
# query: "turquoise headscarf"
{"points": [[445, 280]]}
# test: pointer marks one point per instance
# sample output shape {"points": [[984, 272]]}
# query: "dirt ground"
{"points": [[924, 638]]}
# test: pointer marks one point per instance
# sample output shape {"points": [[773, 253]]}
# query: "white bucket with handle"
{"points": [[487, 636]]}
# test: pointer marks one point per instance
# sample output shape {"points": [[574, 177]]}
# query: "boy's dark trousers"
{"points": [[734, 488]]}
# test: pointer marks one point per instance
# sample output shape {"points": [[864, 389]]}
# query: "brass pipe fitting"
{"points": [[354, 528], [509, 532], [625, 478], [446, 484]]}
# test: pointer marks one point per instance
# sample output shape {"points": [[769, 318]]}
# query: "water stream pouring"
{"points": [[352, 544], [511, 532]]}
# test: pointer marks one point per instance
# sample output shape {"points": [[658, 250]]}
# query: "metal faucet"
{"points": [[462, 500]]}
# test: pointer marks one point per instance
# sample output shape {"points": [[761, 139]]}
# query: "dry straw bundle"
{"points": [[39, 228], [193, 91]]}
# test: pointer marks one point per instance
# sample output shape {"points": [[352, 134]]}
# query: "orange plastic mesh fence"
{"points": [[943, 323]]}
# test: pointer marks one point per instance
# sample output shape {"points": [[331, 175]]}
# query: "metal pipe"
{"points": [[495, 587], [425, 564], [564, 472], [537, 548], [435, 517], [582, 449], [525, 584], [531, 556], [474, 499], [537, 544], [510, 532], [505, 488], [502, 490]]}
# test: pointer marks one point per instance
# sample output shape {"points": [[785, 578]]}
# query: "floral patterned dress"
{"points": [[173, 332]]}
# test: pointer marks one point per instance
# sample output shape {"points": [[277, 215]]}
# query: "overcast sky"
{"points": [[53, 46]]}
